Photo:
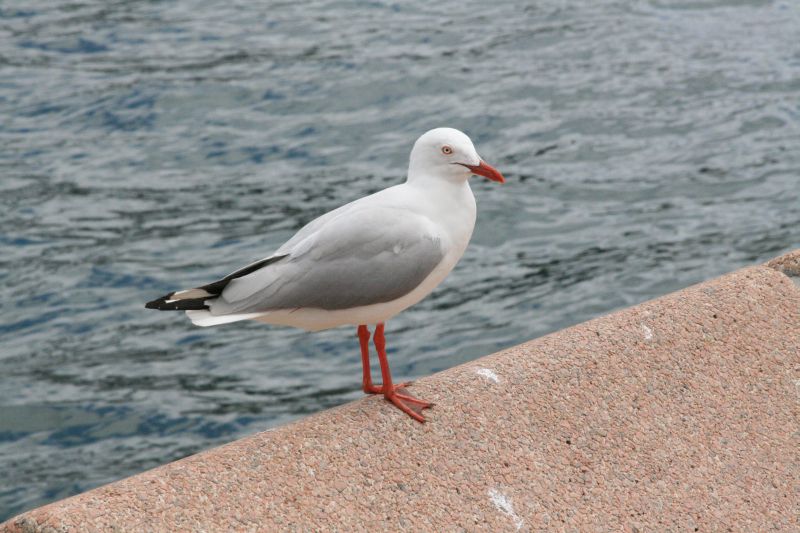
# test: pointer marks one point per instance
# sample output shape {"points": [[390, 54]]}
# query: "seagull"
{"points": [[360, 264]]}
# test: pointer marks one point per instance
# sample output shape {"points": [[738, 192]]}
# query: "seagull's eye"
{"points": [[447, 150]]}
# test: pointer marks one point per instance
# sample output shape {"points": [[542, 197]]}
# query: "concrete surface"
{"points": [[679, 414]]}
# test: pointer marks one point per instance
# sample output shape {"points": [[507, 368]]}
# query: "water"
{"points": [[149, 146]]}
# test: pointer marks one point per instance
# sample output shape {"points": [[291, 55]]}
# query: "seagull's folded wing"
{"points": [[364, 256]]}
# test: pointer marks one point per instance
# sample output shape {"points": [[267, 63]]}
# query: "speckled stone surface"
{"points": [[680, 414], [789, 264]]}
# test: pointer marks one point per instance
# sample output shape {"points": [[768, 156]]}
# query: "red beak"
{"points": [[487, 171]]}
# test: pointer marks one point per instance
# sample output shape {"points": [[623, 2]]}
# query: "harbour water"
{"points": [[151, 146]]}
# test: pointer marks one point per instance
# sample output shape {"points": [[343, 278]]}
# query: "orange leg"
{"points": [[390, 391], [366, 382]]}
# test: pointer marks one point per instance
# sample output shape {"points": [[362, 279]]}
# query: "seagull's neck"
{"points": [[431, 175], [455, 187], [447, 202]]}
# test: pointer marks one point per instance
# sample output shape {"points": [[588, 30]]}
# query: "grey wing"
{"points": [[319, 222], [362, 257]]}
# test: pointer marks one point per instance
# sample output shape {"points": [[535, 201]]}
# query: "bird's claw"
{"points": [[378, 389], [407, 398], [399, 399]]}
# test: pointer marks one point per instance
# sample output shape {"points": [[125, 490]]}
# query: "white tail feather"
{"points": [[205, 318]]}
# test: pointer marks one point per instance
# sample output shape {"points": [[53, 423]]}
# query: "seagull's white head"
{"points": [[449, 154]]}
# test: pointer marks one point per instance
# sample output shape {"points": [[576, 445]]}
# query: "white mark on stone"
{"points": [[648, 333], [503, 503], [488, 373]]}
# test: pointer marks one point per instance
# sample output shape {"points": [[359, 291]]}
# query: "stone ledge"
{"points": [[788, 264], [677, 414]]}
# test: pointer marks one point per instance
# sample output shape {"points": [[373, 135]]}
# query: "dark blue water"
{"points": [[149, 146]]}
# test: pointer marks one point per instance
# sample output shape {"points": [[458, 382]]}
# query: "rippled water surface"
{"points": [[152, 145]]}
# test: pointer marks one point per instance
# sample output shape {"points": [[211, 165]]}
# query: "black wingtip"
{"points": [[155, 304], [161, 304], [158, 303], [212, 290]]}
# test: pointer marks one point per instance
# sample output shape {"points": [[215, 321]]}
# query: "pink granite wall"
{"points": [[678, 414]]}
